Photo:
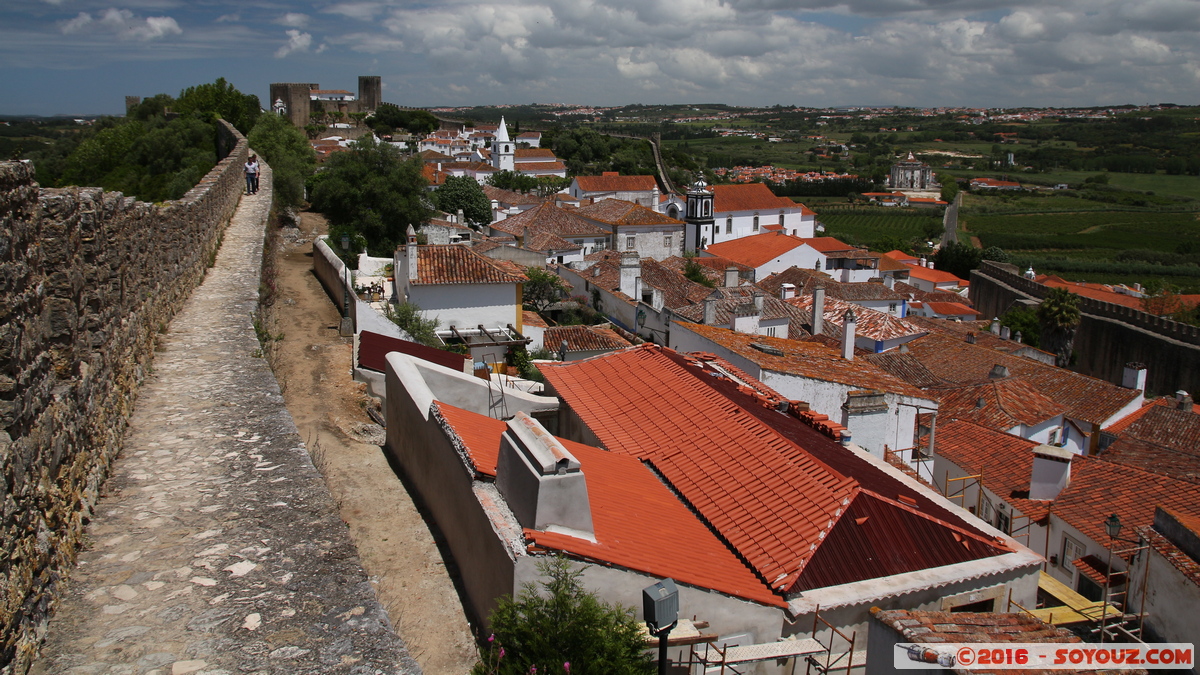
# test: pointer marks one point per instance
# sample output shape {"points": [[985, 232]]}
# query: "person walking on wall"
{"points": [[251, 169]]}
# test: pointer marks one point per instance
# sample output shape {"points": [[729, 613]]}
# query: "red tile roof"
{"points": [[523, 155], [1087, 399], [926, 627], [616, 183], [1101, 292], [806, 359], [828, 245], [1163, 439], [870, 323], [769, 497], [525, 167], [748, 197], [935, 276], [458, 264], [623, 213], [1006, 403], [638, 523], [951, 309], [1004, 460], [901, 256], [550, 218], [756, 250], [510, 198], [583, 338]]}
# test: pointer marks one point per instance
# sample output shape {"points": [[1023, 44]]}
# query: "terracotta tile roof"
{"points": [[584, 338], [748, 197], [526, 167], [828, 245], [534, 154], [773, 500], [1006, 403], [1162, 439], [639, 524], [1101, 292], [755, 250], [913, 293], [869, 323], [932, 627], [935, 276], [807, 359], [623, 213], [616, 183], [510, 198], [720, 264], [435, 156], [713, 273], [550, 218], [1087, 399], [901, 257], [730, 298], [951, 309], [1099, 488], [906, 367], [458, 264], [806, 280], [530, 318], [679, 292], [886, 264], [1119, 427], [543, 240], [1004, 460]]}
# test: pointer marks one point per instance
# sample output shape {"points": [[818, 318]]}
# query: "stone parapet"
{"points": [[88, 278]]}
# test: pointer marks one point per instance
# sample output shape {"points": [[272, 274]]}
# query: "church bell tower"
{"points": [[699, 229]]}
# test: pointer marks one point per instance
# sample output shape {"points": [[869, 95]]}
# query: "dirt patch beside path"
{"points": [[398, 550]]}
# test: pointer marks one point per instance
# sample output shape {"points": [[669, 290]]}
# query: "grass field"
{"points": [[1115, 231], [865, 229]]}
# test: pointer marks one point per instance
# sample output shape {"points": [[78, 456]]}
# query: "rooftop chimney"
{"points": [[1005, 332], [1051, 472], [787, 291], [818, 309], [889, 281], [971, 338], [758, 301], [1183, 400], [542, 481], [1134, 376], [731, 277], [710, 310], [1017, 337], [929, 264], [999, 372], [995, 327], [744, 319], [849, 322], [631, 271], [410, 254]]}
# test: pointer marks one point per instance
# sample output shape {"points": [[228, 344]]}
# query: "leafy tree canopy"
{"points": [[407, 315], [463, 192], [562, 627], [694, 271], [1058, 316], [394, 117], [958, 259], [1023, 320], [286, 149], [223, 99], [543, 289], [372, 191]]}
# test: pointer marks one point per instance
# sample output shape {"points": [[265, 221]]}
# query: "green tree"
{"points": [[563, 627], [1023, 320], [995, 253], [511, 180], [949, 187], [958, 259], [694, 271], [415, 121], [286, 149], [373, 192], [223, 99], [543, 289], [407, 315], [1058, 317], [463, 192]]}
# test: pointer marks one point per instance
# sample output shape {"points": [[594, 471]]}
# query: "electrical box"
{"points": [[660, 604]]}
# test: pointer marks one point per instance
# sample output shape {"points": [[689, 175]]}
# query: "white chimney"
{"points": [[849, 322], [710, 310], [787, 291], [924, 263], [1134, 376], [410, 254], [929, 264], [1005, 332], [1051, 472], [731, 277], [889, 281], [542, 481], [631, 271], [744, 319], [818, 309], [995, 327], [758, 301]]}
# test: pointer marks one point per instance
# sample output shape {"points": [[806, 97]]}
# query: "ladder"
{"points": [[497, 401]]}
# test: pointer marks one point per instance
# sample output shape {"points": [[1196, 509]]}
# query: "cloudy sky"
{"points": [[84, 56]]}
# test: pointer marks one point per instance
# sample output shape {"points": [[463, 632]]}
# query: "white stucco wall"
{"points": [[1170, 599], [650, 242], [467, 305], [794, 223]]}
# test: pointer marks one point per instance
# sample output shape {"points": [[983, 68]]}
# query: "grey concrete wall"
{"points": [[331, 271], [436, 471], [1109, 335], [1170, 599], [88, 278]]}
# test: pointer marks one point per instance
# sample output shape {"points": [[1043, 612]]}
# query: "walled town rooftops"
{"points": [[678, 291], [756, 250], [435, 156], [806, 280], [902, 257], [1088, 399], [764, 480], [712, 273], [544, 240], [935, 276], [933, 628], [509, 197], [1119, 427], [728, 300], [1000, 404], [1101, 292], [526, 167], [584, 338], [1163, 439], [611, 181], [534, 155], [951, 309], [906, 367], [750, 197], [806, 359], [1005, 460], [623, 213], [870, 323], [551, 218], [913, 293], [639, 524], [829, 245], [457, 264]]}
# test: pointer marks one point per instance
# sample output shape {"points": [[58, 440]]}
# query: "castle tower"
{"points": [[370, 92], [296, 101], [503, 150], [699, 229]]}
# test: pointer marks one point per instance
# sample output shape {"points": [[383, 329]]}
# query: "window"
{"points": [[1071, 551], [985, 510], [769, 331], [892, 307], [781, 215], [667, 241], [755, 228], [629, 243], [1003, 522], [728, 224]]}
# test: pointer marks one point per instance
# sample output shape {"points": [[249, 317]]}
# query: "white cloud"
{"points": [[362, 11], [229, 18], [80, 22], [124, 24], [293, 19], [297, 42]]}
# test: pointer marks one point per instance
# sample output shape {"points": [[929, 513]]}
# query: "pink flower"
{"points": [[502, 652], [567, 666], [492, 637]]}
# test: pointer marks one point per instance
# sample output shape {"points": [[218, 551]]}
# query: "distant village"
{"points": [[829, 449]]}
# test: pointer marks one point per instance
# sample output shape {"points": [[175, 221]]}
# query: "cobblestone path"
{"points": [[216, 548]]}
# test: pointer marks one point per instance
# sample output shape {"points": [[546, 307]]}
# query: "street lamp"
{"points": [[660, 608], [1112, 525]]}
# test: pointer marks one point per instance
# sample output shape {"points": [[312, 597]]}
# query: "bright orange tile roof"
{"points": [[934, 275], [1099, 292], [951, 309], [458, 264], [616, 183], [623, 213], [755, 250], [748, 197], [901, 257], [763, 480], [828, 244], [1162, 439], [807, 359], [639, 524]]}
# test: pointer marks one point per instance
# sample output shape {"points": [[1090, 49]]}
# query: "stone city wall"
{"points": [[1109, 335], [88, 278]]}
